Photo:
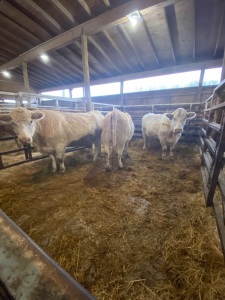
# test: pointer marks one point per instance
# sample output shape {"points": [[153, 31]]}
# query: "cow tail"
{"points": [[114, 128]]}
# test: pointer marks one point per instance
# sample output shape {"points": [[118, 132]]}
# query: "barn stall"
{"points": [[138, 233]]}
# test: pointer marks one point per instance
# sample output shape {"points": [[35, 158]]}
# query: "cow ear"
{"points": [[191, 115], [169, 116], [5, 118], [37, 115]]}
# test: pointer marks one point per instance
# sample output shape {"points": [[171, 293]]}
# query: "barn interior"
{"points": [[154, 230]]}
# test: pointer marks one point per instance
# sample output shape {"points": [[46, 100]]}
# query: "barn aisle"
{"points": [[140, 233]]}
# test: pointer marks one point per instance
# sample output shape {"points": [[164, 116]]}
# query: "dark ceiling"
{"points": [[181, 32]]}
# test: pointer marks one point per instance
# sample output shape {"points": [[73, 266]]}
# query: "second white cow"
{"points": [[166, 127], [117, 131]]}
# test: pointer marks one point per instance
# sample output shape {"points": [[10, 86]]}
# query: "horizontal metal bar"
{"points": [[207, 160], [7, 138], [220, 223], [21, 256], [213, 125], [218, 106], [203, 131], [211, 146], [205, 177]]}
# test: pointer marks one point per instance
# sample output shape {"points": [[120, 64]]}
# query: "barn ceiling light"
{"points": [[44, 57], [6, 74], [134, 17]]}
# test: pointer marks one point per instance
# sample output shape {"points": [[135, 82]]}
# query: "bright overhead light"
{"points": [[134, 17], [6, 74], [44, 57]]}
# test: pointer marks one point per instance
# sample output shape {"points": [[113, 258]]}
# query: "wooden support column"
{"points": [[86, 87], [223, 67], [121, 93], [26, 82], [199, 92]]}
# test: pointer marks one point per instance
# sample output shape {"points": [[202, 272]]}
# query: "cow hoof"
{"points": [[108, 168]]}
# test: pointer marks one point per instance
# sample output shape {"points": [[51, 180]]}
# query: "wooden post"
{"points": [[87, 90], [121, 94], [26, 82], [199, 92], [223, 67]]}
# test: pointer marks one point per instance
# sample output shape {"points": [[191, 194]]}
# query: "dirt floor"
{"points": [[139, 233]]}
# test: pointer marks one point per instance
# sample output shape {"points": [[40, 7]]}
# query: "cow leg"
{"points": [[97, 148], [119, 153], [164, 147], [60, 153], [145, 139], [60, 161], [171, 150], [54, 166], [108, 166], [126, 149]]}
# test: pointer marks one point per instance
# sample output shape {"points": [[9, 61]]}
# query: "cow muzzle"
{"points": [[178, 130], [25, 140]]}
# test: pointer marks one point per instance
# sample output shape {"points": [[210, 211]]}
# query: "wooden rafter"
{"points": [[194, 32], [150, 40], [129, 40], [92, 58], [39, 10], [63, 10], [157, 72], [220, 29], [106, 20], [112, 42], [106, 2], [169, 35], [102, 51], [106, 35]]}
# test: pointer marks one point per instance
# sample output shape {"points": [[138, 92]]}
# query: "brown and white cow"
{"points": [[51, 131], [117, 131], [166, 127]]}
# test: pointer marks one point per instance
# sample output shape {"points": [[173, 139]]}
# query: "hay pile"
{"points": [[140, 233]]}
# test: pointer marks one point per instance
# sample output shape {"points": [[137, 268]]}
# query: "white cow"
{"points": [[167, 127], [117, 131], [51, 131]]}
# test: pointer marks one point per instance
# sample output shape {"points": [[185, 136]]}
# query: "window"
{"points": [[105, 89], [172, 81], [212, 76], [77, 93]]}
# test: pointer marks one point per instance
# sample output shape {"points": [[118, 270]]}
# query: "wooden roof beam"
{"points": [[129, 40], [117, 49], [194, 32], [169, 34], [99, 48], [215, 63], [63, 10], [220, 29], [106, 20], [150, 39], [107, 36], [38, 9], [107, 3], [92, 58]]}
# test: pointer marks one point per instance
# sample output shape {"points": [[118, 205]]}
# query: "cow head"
{"points": [[24, 122], [178, 119]]}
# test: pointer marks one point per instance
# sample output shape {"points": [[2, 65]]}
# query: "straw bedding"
{"points": [[140, 233]]}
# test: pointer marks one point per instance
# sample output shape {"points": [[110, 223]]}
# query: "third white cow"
{"points": [[166, 127], [117, 131]]}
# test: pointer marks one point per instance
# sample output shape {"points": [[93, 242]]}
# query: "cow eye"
{"points": [[31, 121], [14, 124]]}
